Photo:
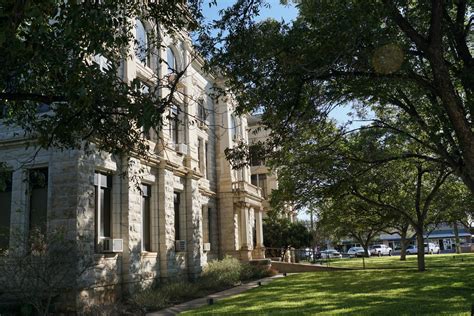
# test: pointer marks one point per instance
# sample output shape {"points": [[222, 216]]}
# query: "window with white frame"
{"points": [[174, 124], [177, 217], [201, 155], [38, 199], [5, 208], [206, 159], [171, 60], [141, 43], [103, 205], [260, 180], [145, 89], [202, 113], [233, 127], [146, 217]]}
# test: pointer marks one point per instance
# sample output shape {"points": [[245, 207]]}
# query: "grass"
{"points": [[388, 287]]}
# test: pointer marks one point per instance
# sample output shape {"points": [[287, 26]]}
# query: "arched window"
{"points": [[141, 43], [171, 60]]}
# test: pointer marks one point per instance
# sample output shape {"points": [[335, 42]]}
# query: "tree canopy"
{"points": [[410, 63], [61, 78]]}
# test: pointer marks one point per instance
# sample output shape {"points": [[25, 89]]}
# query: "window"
{"points": [[5, 208], [38, 207], [145, 89], [174, 124], [233, 127], [200, 155], [171, 60], [255, 158], [146, 217], [176, 202], [141, 43], [103, 204], [202, 114], [206, 224], [206, 157], [260, 180]]}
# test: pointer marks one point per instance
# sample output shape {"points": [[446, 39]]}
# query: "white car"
{"points": [[380, 250], [357, 252], [330, 253], [430, 248]]}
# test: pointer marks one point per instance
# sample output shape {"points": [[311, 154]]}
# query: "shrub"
{"points": [[252, 271], [166, 295], [221, 274]]}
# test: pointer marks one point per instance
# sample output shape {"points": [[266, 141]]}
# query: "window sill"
{"points": [[149, 254]]}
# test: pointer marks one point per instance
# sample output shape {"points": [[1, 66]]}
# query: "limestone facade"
{"points": [[184, 190], [261, 175]]}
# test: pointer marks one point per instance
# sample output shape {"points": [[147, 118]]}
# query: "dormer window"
{"points": [[141, 43], [171, 60]]}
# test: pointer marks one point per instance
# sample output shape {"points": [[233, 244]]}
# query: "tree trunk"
{"points": [[420, 241], [403, 244], [456, 237]]}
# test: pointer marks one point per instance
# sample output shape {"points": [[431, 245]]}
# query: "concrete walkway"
{"points": [[216, 296]]}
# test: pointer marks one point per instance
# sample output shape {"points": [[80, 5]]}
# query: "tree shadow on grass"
{"points": [[375, 292]]}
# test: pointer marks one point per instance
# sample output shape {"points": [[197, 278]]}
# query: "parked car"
{"points": [[380, 250], [430, 248], [411, 250], [357, 252], [330, 253]]}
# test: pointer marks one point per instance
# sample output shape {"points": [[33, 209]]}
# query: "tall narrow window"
{"points": [[209, 224], [260, 180], [174, 124], [202, 114], [200, 155], [233, 127], [206, 159], [146, 217], [5, 209], [103, 204], [38, 183], [144, 89], [141, 43], [205, 224], [171, 60], [177, 227]]}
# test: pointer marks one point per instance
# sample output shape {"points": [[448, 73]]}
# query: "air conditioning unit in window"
{"points": [[111, 245], [206, 246], [180, 245], [182, 148]]}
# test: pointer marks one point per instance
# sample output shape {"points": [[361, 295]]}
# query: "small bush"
{"points": [[221, 274], [216, 276], [166, 295], [255, 271]]}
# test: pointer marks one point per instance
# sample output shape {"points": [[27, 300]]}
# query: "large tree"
{"points": [[410, 62], [62, 61]]}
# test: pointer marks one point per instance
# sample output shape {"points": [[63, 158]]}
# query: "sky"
{"points": [[275, 10]]}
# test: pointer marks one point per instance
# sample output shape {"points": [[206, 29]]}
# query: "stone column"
{"points": [[244, 227], [259, 228], [245, 249], [259, 248], [193, 226]]}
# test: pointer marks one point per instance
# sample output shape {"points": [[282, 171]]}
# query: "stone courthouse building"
{"points": [[143, 220]]}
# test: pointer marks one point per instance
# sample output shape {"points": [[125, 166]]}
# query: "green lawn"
{"points": [[389, 287]]}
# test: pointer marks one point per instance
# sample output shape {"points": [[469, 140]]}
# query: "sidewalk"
{"points": [[174, 310]]}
